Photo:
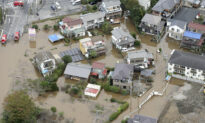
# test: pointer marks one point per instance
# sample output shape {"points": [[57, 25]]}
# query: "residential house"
{"points": [[140, 58], [77, 71], [123, 75], [166, 8], [99, 70], [122, 39], [93, 20], [44, 62], [96, 44], [196, 27], [145, 3], [192, 40], [176, 29], [141, 119], [111, 8], [72, 27], [187, 66], [153, 27]]}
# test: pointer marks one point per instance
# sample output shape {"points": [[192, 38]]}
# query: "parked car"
{"points": [[18, 3], [3, 39], [58, 5], [16, 36]]}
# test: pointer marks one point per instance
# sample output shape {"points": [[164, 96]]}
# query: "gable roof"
{"points": [[44, 55], [179, 23], [110, 3], [192, 35], [78, 70], [71, 22], [188, 59], [139, 54], [122, 71], [92, 16], [196, 26], [161, 5], [155, 20]]}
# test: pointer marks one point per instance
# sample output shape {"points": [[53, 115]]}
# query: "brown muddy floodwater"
{"points": [[15, 64]]}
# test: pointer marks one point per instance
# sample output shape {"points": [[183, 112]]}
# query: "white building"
{"points": [[176, 29], [93, 20], [145, 3], [187, 66]]}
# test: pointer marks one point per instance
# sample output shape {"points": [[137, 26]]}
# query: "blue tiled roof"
{"points": [[192, 35]]}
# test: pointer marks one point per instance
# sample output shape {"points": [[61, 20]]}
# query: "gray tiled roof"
{"points": [[92, 16], [141, 119], [118, 33], [44, 55], [188, 59], [122, 71], [152, 19], [110, 3], [139, 54], [78, 70], [161, 5], [178, 23]]}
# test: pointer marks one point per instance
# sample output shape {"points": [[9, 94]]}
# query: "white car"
{"points": [[58, 5]]}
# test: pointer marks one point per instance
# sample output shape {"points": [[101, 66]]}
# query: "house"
{"points": [[93, 20], [77, 71], [140, 58], [97, 44], [123, 75], [193, 3], [176, 28], [145, 3], [45, 63], [196, 27], [153, 27], [111, 8], [74, 53], [92, 90], [192, 40], [122, 39], [187, 66], [141, 119], [99, 70], [72, 27], [186, 14], [166, 8]]}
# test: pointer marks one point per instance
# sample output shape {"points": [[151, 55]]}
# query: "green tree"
{"points": [[55, 27], [137, 43], [106, 27], [67, 59], [53, 109], [94, 7], [133, 35], [19, 108], [1, 16], [92, 54], [35, 26], [93, 80], [46, 27]]}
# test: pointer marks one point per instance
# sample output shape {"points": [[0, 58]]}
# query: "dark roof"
{"points": [[188, 59], [161, 5], [122, 71], [146, 72], [42, 56], [98, 65], [71, 21], [75, 53], [196, 26], [186, 14], [155, 19], [141, 119], [179, 23]]}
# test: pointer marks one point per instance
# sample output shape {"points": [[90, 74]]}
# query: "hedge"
{"points": [[122, 108]]}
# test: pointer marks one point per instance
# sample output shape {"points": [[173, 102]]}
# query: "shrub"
{"points": [[1, 16], [137, 43], [74, 91], [67, 40], [35, 26], [94, 7], [114, 115], [113, 100], [106, 28], [53, 109], [84, 2], [92, 54], [114, 89], [133, 35], [55, 27], [122, 108], [46, 27], [93, 80], [61, 114], [67, 59]]}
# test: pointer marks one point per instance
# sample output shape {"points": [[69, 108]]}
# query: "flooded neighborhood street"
{"points": [[16, 65]]}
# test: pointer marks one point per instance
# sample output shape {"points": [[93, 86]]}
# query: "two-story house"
{"points": [[196, 27], [192, 40], [93, 20], [72, 27], [176, 28], [187, 66], [111, 8], [141, 58], [152, 24], [123, 75], [166, 8], [96, 44], [122, 39]]}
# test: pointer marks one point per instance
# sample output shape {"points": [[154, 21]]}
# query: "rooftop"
{"points": [[42, 56], [142, 119], [139, 54], [98, 65], [78, 70], [92, 16], [155, 19], [110, 3], [71, 21], [122, 71], [188, 59], [192, 35], [179, 23], [161, 5], [196, 26]]}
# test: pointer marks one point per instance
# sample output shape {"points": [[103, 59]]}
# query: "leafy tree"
{"points": [[106, 27], [35, 26], [95, 7], [53, 109], [93, 80], [74, 91], [55, 27], [133, 35], [46, 27], [137, 43], [153, 2], [93, 54], [19, 108], [84, 2], [67, 59]]}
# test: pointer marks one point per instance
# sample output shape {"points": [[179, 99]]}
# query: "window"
{"points": [[172, 29], [178, 30]]}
